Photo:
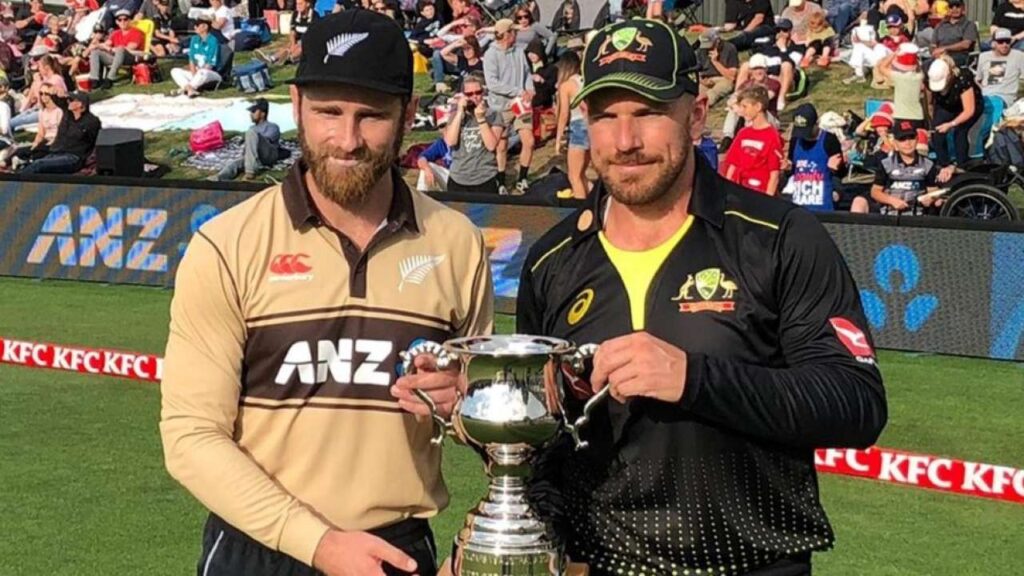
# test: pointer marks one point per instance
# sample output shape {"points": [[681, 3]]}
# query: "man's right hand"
{"points": [[358, 554], [899, 205]]}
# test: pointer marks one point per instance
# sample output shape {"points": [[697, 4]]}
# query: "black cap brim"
{"points": [[331, 80], [646, 86]]}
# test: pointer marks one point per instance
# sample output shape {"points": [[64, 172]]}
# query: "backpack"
{"points": [[252, 77], [246, 41], [259, 27], [206, 138], [1006, 149]]}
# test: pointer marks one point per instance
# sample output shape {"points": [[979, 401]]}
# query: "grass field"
{"points": [[83, 489]]}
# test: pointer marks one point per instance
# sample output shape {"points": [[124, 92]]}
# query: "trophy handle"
{"points": [[444, 359], [577, 362]]}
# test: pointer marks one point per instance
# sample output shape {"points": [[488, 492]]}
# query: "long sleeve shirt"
{"points": [[507, 73]]}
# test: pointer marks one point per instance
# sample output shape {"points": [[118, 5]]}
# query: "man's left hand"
{"points": [[835, 161], [440, 385], [640, 365], [945, 174]]}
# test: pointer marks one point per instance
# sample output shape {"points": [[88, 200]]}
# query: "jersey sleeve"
{"points": [[479, 292], [829, 391], [199, 405]]}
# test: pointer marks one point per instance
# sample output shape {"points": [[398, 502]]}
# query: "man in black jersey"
{"points": [[731, 334]]}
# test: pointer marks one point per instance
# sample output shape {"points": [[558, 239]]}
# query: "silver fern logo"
{"points": [[414, 269], [342, 43]]}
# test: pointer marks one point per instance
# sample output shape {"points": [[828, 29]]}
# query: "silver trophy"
{"points": [[513, 405]]}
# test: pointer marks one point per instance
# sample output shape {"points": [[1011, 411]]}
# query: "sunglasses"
{"points": [[523, 17], [123, 19], [473, 93], [1000, 41]]}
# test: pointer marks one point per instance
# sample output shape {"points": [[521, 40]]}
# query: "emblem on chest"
{"points": [[706, 291]]}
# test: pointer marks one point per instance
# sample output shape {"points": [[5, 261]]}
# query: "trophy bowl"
{"points": [[512, 406]]}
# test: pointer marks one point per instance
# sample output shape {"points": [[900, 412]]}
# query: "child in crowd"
{"points": [[754, 159], [821, 37]]}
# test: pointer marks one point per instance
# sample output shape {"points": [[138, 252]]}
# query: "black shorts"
{"points": [[228, 551]]}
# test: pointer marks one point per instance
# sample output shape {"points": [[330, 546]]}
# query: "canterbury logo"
{"points": [[342, 43], [414, 269], [290, 265]]}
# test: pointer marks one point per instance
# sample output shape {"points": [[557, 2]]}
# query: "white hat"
{"points": [[938, 75], [757, 61], [796, 3]]}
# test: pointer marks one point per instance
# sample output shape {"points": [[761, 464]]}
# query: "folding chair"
{"points": [[687, 10]]}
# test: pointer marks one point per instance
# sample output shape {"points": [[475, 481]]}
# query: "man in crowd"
{"points": [[999, 70], [122, 48], [719, 65], [510, 86], [842, 13], [262, 148], [753, 19], [731, 339], [75, 142], [956, 36], [282, 412]]}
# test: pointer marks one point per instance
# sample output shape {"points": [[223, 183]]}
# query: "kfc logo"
{"points": [[855, 340]]}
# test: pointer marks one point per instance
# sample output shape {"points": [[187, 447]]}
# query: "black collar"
{"points": [[707, 201], [303, 211]]}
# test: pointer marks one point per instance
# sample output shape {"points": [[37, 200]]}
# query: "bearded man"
{"points": [[281, 409], [731, 335]]}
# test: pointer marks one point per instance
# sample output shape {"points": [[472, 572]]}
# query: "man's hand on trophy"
{"points": [[639, 364], [440, 385], [358, 554]]}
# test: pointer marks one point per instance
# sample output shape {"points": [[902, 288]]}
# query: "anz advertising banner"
{"points": [[944, 290]]}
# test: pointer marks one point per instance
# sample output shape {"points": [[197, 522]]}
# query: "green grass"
{"points": [[83, 489]]}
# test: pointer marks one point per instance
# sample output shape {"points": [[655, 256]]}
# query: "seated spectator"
{"points": [[45, 75], [262, 146], [719, 65], [305, 16], [203, 55], [510, 84], [222, 26], [843, 13], [426, 26], [75, 142], [545, 76], [473, 134], [78, 61], [567, 17], [30, 19], [7, 108], [1010, 16], [867, 52], [956, 36], [572, 126], [123, 48], [753, 19], [460, 58], [9, 31], [754, 158], [780, 58], [904, 176], [446, 58], [80, 9], [821, 41], [956, 105], [814, 157], [50, 114], [165, 41], [800, 12], [52, 37], [757, 68], [433, 164], [999, 71]]}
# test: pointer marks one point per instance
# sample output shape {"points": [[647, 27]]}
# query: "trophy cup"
{"points": [[511, 407]]}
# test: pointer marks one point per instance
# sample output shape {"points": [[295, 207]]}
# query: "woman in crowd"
{"points": [[50, 115], [203, 54], [464, 56], [528, 30], [955, 100], [545, 76], [578, 153], [46, 74], [472, 135]]}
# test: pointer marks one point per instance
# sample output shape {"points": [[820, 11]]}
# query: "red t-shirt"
{"points": [[121, 39], [893, 42], [755, 153], [89, 5]]}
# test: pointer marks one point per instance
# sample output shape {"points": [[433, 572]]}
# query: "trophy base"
{"points": [[490, 563]]}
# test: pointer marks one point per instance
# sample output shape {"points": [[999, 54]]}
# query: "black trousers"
{"points": [[961, 152], [228, 551]]}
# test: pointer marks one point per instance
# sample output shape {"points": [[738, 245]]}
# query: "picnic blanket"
{"points": [[215, 160], [152, 112], [235, 117]]}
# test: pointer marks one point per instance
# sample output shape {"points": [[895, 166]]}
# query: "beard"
{"points": [[348, 186], [640, 189]]}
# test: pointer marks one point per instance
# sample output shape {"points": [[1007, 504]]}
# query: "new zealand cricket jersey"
{"points": [[284, 340], [779, 363]]}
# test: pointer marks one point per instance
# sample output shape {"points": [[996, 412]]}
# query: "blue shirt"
{"points": [[438, 153], [203, 53]]}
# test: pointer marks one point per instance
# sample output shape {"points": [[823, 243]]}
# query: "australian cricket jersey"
{"points": [[779, 363], [284, 340]]}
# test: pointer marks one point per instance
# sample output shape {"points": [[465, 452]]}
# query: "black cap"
{"points": [[904, 130], [259, 104], [643, 56], [784, 24], [805, 118], [82, 97], [359, 48], [956, 2]]}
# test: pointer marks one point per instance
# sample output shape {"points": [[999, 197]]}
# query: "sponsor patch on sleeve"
{"points": [[853, 338]]}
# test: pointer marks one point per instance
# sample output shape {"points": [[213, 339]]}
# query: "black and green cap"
{"points": [[644, 56]]}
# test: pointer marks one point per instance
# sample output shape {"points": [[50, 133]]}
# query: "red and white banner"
{"points": [[919, 470], [923, 471], [85, 360]]}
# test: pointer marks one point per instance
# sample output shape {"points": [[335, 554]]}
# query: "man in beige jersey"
{"points": [[282, 412]]}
